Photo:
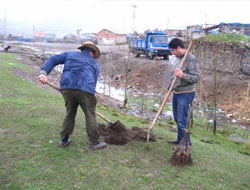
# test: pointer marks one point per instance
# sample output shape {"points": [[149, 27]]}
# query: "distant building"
{"points": [[49, 37], [195, 31], [17, 38], [107, 37], [88, 37], [237, 28], [39, 36], [176, 33], [70, 38], [2, 37], [44, 37], [198, 31]]}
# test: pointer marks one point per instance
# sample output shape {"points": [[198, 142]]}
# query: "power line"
{"points": [[5, 23]]}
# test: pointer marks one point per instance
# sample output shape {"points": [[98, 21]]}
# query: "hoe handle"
{"points": [[53, 86], [169, 91], [103, 117]]}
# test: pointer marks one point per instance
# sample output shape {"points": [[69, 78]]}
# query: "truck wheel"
{"points": [[138, 54], [165, 57], [149, 55]]}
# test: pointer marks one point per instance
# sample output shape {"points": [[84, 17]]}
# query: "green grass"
{"points": [[30, 159], [146, 104], [228, 38]]}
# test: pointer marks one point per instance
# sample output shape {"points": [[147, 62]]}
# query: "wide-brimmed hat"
{"points": [[91, 45]]}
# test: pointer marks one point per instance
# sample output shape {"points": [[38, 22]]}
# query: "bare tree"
{"points": [[128, 63], [248, 121], [215, 86], [221, 60]]}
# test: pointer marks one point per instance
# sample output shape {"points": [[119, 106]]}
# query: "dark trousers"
{"points": [[87, 101], [181, 103]]}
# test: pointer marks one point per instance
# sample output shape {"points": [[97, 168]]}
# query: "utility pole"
{"points": [[206, 20], [166, 31], [5, 24], [133, 24], [34, 32], [168, 23]]}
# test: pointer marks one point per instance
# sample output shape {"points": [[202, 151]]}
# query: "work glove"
{"points": [[43, 78]]}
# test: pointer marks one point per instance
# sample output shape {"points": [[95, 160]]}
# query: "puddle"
{"points": [[32, 48], [44, 52], [116, 93]]}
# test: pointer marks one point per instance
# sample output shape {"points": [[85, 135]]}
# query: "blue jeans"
{"points": [[180, 105]]}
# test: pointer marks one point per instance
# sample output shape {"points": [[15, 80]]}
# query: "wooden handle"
{"points": [[103, 117], [169, 91], [53, 86]]}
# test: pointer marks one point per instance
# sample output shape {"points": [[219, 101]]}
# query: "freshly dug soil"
{"points": [[120, 135]]}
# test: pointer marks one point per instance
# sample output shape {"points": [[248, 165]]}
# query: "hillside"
{"points": [[30, 121]]}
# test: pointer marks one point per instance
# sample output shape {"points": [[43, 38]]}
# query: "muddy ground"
{"points": [[153, 76], [146, 75]]}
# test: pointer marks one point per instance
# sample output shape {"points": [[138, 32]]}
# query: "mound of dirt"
{"points": [[154, 74], [120, 135]]}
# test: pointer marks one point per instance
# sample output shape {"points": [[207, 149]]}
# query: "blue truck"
{"points": [[154, 44]]}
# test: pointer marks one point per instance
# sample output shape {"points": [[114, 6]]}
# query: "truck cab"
{"points": [[152, 45], [157, 45]]}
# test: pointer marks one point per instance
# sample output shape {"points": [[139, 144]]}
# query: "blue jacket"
{"points": [[80, 70]]}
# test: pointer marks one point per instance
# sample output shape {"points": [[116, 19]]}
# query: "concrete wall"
{"points": [[230, 58]]}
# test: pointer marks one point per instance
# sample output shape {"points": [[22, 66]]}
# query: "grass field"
{"points": [[229, 38], [30, 159]]}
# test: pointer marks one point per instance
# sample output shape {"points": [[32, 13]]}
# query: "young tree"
{"points": [[248, 121], [128, 63]]}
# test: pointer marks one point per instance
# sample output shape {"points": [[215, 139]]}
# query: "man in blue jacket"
{"points": [[78, 84]]}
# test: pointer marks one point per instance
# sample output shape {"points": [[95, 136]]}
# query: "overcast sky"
{"points": [[117, 15]]}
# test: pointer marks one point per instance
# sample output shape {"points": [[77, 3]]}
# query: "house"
{"points": [[70, 38], [39, 36], [195, 31], [49, 37], [88, 37], [237, 28], [2, 37], [175, 32], [107, 37]]}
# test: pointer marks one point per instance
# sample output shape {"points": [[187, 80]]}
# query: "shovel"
{"points": [[116, 126], [168, 93]]}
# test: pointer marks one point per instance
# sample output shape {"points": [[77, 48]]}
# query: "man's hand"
{"points": [[179, 73], [43, 78], [168, 99]]}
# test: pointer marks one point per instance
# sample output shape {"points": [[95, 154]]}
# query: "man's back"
{"points": [[80, 72]]}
